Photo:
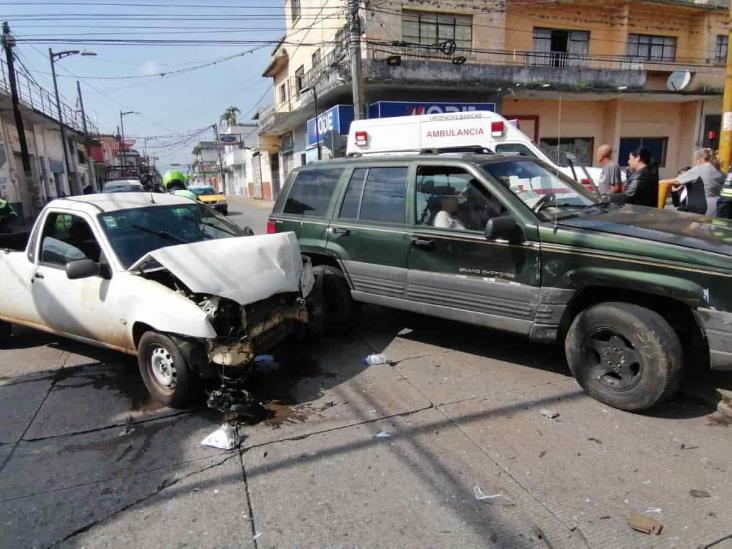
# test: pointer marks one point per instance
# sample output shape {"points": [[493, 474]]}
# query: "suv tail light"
{"points": [[271, 228], [362, 138], [497, 129]]}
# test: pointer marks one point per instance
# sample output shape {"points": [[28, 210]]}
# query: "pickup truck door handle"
{"points": [[424, 243], [340, 231], [38, 276]]}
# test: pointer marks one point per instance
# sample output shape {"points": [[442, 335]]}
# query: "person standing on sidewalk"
{"points": [[710, 175], [611, 180], [641, 188], [7, 215]]}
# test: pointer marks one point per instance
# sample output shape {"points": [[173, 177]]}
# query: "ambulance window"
{"points": [[376, 194], [311, 192], [514, 148]]}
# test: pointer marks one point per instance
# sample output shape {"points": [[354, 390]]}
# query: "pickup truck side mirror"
{"points": [[503, 228], [82, 268]]}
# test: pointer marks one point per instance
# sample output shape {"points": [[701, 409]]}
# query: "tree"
{"points": [[229, 116]]}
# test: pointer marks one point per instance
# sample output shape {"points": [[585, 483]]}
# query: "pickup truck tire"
{"points": [[331, 308], [165, 371], [5, 331], [624, 355]]}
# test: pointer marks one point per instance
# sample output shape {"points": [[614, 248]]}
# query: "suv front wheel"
{"points": [[331, 305], [624, 355]]}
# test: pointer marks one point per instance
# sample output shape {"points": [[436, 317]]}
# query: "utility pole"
{"points": [[62, 129], [359, 95], [221, 163], [725, 140], [28, 183], [89, 160], [122, 137]]}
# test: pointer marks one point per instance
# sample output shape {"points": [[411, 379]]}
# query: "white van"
{"points": [[480, 129]]}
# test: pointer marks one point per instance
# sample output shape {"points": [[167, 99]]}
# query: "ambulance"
{"points": [[456, 132]]}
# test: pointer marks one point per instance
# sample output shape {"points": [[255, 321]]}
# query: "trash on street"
{"points": [[493, 499], [551, 414], [645, 524], [224, 438]]}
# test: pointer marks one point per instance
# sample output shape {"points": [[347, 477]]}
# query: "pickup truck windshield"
{"points": [[137, 231], [547, 193]]}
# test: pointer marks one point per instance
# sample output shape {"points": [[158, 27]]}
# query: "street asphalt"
{"points": [[450, 444]]}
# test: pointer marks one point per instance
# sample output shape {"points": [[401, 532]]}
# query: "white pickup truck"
{"points": [[157, 276]]}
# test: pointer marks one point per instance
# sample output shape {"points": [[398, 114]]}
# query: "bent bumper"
{"points": [[718, 327]]}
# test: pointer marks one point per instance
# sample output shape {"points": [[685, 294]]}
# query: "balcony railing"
{"points": [[37, 98]]}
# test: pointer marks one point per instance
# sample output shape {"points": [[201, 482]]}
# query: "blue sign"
{"points": [[336, 119], [388, 109]]}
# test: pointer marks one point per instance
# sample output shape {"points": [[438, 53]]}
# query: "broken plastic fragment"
{"points": [[494, 499], [700, 494], [383, 434], [225, 438], [642, 523], [551, 414]]}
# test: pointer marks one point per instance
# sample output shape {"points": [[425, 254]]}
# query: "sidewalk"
{"points": [[250, 202]]}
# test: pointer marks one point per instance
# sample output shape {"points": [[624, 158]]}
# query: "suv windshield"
{"points": [[546, 192], [137, 231]]}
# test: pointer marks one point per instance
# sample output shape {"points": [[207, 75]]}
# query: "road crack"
{"points": [[165, 484]]}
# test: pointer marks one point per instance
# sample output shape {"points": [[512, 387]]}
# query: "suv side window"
{"points": [[451, 198], [67, 238], [311, 192], [376, 194]]}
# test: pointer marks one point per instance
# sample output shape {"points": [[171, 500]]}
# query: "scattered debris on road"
{"points": [[551, 414], [699, 494], [595, 440], [642, 523], [374, 360], [383, 434], [224, 438], [493, 499], [725, 405]]}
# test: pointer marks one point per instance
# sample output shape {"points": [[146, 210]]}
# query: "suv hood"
{"points": [[667, 226], [244, 269]]}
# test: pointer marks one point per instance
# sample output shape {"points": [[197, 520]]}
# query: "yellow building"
{"points": [[574, 73]]}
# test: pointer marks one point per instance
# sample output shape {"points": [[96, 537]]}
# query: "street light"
{"points": [[53, 57], [315, 104], [122, 115]]}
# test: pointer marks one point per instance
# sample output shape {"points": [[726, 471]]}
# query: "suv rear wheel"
{"points": [[332, 308], [624, 355]]}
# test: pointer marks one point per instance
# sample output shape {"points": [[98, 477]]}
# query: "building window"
{"points": [[720, 49], [644, 47], [559, 47], [657, 145], [295, 9], [433, 29], [577, 149], [283, 93], [299, 76], [316, 58]]}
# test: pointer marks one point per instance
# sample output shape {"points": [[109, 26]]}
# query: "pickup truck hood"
{"points": [[668, 226], [244, 269]]}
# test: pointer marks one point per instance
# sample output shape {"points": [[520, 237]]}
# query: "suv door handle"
{"points": [[424, 243], [339, 231]]}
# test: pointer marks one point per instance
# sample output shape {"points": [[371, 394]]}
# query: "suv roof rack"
{"points": [[472, 149]]}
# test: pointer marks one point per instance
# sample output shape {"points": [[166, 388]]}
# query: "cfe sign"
{"points": [[388, 109], [335, 120]]}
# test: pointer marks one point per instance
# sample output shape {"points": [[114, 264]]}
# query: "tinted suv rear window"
{"points": [[311, 192], [376, 194]]}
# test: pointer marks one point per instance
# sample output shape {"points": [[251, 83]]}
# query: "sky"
{"points": [[175, 109]]}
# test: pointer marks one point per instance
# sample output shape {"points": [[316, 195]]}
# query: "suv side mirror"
{"points": [[82, 268], [503, 228]]}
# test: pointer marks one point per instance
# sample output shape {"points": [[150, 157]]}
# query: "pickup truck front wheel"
{"points": [[5, 331], [624, 355], [165, 371]]}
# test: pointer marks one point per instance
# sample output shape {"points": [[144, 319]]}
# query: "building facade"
{"points": [[50, 178], [573, 73]]}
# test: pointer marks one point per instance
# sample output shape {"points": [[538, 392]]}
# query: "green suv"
{"points": [[635, 294]]}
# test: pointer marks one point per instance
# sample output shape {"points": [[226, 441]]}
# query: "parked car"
{"points": [[634, 294], [211, 197], [122, 186], [160, 277]]}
